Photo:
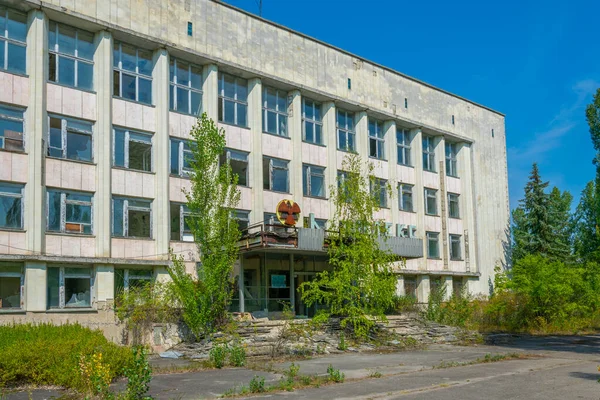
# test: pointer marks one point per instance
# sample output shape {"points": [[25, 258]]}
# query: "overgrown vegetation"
{"points": [[223, 354]]}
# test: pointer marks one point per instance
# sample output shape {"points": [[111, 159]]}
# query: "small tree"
{"points": [[211, 200], [361, 285]]}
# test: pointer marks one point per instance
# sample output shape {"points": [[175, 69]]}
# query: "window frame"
{"points": [[316, 107], [429, 154], [125, 216], [63, 210], [183, 172], [118, 68], [238, 82], [346, 130], [428, 194], [307, 174], [241, 215], [228, 158], [402, 189], [456, 200], [453, 239], [127, 139], [21, 276], [403, 147], [435, 237], [412, 279], [54, 49], [8, 39], [451, 159], [376, 138], [377, 186], [184, 211], [273, 167], [5, 116], [127, 278], [174, 85], [65, 129], [279, 114], [20, 196], [62, 276]]}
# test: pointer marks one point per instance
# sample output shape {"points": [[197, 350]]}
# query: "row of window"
{"points": [[410, 286], [433, 246]]}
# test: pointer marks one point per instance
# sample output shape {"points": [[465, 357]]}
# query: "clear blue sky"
{"points": [[538, 62]]}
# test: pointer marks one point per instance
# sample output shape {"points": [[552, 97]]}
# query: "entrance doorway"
{"points": [[301, 309]]}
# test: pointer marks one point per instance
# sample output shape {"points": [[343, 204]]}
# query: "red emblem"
{"points": [[288, 212]]}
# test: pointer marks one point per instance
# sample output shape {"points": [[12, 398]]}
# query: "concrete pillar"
{"points": [[295, 127], [103, 138], [210, 91], [105, 283], [255, 158], [361, 125], [160, 88], [418, 194], [423, 288], [440, 155], [447, 280], [467, 206], [389, 127], [37, 127], [400, 286], [35, 286], [241, 286], [330, 132], [292, 285]]}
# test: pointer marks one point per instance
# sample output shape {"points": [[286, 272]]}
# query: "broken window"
{"points": [[276, 175], [69, 138], [71, 56], [410, 286], [70, 287], [345, 131], [186, 87], [132, 217], [126, 279], [69, 212], [132, 73], [403, 146], [455, 247], [11, 206], [379, 191], [275, 112], [11, 285], [11, 128], [312, 124], [453, 209], [313, 180], [433, 245], [182, 157], [132, 150], [428, 154], [430, 201], [180, 223], [376, 139], [233, 100], [242, 218], [13, 40], [238, 160], [314, 223], [405, 197], [451, 163]]}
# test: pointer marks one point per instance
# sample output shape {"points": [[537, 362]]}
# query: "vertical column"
{"points": [[103, 84], [389, 128], [104, 284], [295, 127], [330, 132], [160, 87], [423, 288], [440, 155], [361, 124], [242, 306], [255, 161], [35, 286], [419, 201], [447, 280], [292, 285], [210, 90], [467, 206]]}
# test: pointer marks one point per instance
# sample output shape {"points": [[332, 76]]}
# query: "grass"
{"points": [[488, 358]]}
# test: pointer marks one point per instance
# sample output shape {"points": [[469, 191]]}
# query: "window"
{"points": [[11, 206], [71, 56], [11, 285], [403, 144], [379, 191], [345, 131], [457, 287], [455, 247], [453, 210], [276, 175], [132, 150], [431, 201], [275, 113], [376, 139], [435, 284], [69, 212], [428, 154], [451, 151], [190, 29], [180, 223], [13, 38], [242, 218], [314, 223], [233, 100], [132, 73], [132, 217], [70, 287], [433, 245], [313, 180], [11, 129], [238, 160], [405, 197], [312, 124], [126, 279], [410, 286], [69, 138], [185, 95], [181, 157]]}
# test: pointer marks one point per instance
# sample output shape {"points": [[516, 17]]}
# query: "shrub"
{"points": [[342, 344], [139, 374], [218, 355], [45, 354], [257, 384], [334, 375], [237, 355]]}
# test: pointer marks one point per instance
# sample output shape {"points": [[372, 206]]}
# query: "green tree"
{"points": [[361, 285], [586, 241], [211, 200], [561, 222]]}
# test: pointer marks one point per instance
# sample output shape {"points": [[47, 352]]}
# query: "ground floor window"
{"points": [[126, 279], [11, 285], [70, 287], [410, 286], [457, 286]]}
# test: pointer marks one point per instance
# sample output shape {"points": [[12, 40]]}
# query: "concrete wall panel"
{"points": [[15, 89]]}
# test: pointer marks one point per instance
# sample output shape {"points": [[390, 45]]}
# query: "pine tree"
{"points": [[559, 213]]}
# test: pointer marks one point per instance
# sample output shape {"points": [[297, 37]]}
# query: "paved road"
{"points": [[565, 368]]}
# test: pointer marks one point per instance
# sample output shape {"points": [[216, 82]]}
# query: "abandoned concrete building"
{"points": [[96, 103]]}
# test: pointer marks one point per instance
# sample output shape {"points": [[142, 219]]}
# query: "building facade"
{"points": [[96, 103]]}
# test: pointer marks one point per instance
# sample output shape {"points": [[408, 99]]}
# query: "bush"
{"points": [[218, 355], [138, 374], [237, 355], [257, 384], [334, 375], [45, 354]]}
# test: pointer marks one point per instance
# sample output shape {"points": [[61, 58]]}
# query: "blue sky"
{"points": [[538, 62]]}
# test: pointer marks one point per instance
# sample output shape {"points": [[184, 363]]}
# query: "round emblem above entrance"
{"points": [[288, 212]]}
